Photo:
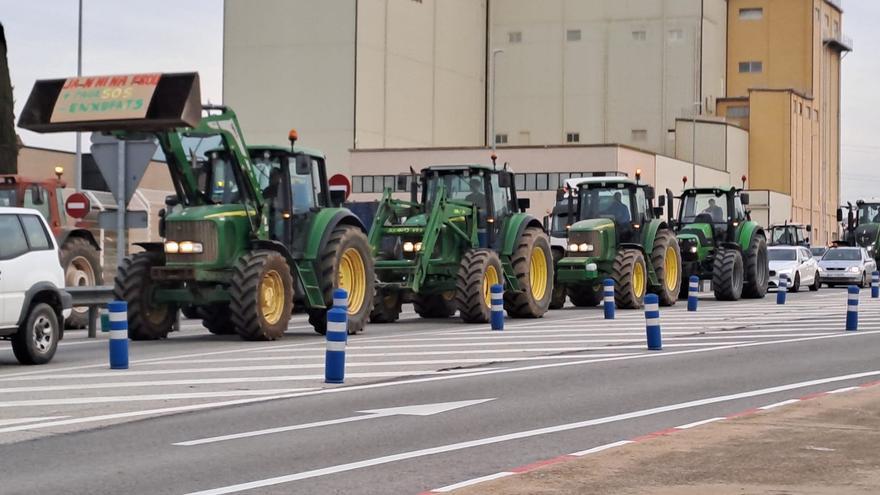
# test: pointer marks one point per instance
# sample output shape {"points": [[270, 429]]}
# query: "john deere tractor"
{"points": [[789, 234], [617, 233], [246, 226], [462, 231], [719, 242], [863, 226]]}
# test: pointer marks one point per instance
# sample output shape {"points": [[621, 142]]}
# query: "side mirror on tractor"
{"points": [[840, 214], [402, 182], [337, 197], [303, 165], [744, 198], [809, 228], [504, 179], [547, 223], [649, 193], [523, 204], [658, 211]]}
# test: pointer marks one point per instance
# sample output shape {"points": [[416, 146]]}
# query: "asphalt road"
{"points": [[199, 413]]}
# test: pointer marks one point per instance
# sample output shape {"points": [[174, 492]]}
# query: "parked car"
{"points": [[846, 265], [33, 303], [818, 252], [797, 263]]}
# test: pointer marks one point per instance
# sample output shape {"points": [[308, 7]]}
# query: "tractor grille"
{"points": [[201, 231]]}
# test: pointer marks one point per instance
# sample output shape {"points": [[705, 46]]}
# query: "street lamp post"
{"points": [[77, 174], [495, 53], [697, 107]]}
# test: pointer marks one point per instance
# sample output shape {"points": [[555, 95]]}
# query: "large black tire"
{"points": [[261, 295], [756, 279], [796, 285], [386, 306], [435, 305], [532, 259], [82, 268], [217, 318], [727, 275], [585, 296], [628, 293], [343, 239], [668, 270], [478, 270], [557, 298], [37, 339], [134, 285]]}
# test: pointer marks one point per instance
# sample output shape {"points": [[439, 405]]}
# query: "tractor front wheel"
{"points": [[478, 271], [82, 268], [757, 268], [630, 279], [262, 295], [346, 263], [585, 296], [217, 319], [435, 305], [148, 320], [727, 275], [557, 298], [532, 263], [386, 306], [666, 261]]}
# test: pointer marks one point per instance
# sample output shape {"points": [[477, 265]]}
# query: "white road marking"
{"points": [[18, 421], [375, 374], [152, 383], [844, 389], [350, 355], [522, 434], [417, 410], [698, 423], [474, 481], [143, 398], [600, 448], [779, 404]]}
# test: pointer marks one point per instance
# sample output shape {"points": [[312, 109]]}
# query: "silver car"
{"points": [[845, 266], [796, 263]]}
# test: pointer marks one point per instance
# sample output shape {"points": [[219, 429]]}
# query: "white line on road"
{"points": [[18, 421], [843, 390], [600, 448], [474, 481], [779, 404], [698, 423], [374, 374], [524, 434], [143, 398]]}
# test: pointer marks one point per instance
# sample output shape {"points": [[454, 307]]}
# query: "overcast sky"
{"points": [[186, 35]]}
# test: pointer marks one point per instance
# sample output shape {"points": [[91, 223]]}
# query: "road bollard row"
{"points": [[497, 307], [118, 316], [337, 336], [852, 309], [782, 290], [693, 292], [652, 322], [608, 298]]}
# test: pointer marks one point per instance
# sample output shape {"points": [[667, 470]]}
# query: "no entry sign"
{"points": [[77, 205], [340, 182]]}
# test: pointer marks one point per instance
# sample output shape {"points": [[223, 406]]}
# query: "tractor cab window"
{"points": [[500, 197], [613, 202], [869, 213], [217, 181], [786, 235], [37, 197], [8, 197], [740, 211], [464, 187], [704, 208], [640, 205]]}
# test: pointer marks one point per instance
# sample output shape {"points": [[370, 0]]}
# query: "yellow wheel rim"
{"points": [[638, 280], [353, 278], [490, 278], [538, 274], [272, 297], [671, 268]]}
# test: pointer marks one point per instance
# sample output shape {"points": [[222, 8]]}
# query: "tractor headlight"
{"points": [[408, 247], [693, 249], [172, 247], [418, 246], [189, 247], [573, 248], [853, 269], [585, 247]]}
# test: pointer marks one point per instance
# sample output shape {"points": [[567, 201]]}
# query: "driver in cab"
{"points": [[618, 210], [714, 211], [477, 196]]}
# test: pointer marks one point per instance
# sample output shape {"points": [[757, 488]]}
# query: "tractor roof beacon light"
{"points": [[684, 181], [59, 171], [638, 175], [744, 179], [494, 157], [292, 136]]}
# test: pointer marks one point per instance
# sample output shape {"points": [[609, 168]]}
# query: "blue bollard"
{"points": [[337, 336], [875, 285], [608, 298], [852, 309], [693, 292], [782, 290], [497, 307], [652, 322], [118, 335]]}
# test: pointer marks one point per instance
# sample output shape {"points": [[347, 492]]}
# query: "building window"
{"points": [[514, 36], [836, 28], [639, 35], [500, 138], [573, 137], [816, 114], [753, 14], [676, 35], [520, 181], [737, 112], [751, 67], [639, 135], [573, 35]]}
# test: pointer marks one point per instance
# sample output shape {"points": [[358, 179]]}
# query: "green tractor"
{"points": [[719, 242], [615, 232], [862, 226], [444, 248], [248, 227]]}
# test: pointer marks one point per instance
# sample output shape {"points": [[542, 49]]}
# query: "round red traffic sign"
{"points": [[77, 205], [340, 182]]}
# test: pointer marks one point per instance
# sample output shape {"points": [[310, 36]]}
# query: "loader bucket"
{"points": [[129, 102]]}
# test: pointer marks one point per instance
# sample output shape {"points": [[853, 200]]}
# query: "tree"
{"points": [[8, 140]]}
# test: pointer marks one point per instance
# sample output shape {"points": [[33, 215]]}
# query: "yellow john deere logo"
{"points": [[404, 230]]}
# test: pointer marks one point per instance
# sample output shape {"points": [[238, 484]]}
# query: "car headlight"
{"points": [[189, 247], [172, 247], [854, 269], [418, 246], [408, 247]]}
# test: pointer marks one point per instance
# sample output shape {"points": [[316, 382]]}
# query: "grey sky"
{"points": [[184, 35]]}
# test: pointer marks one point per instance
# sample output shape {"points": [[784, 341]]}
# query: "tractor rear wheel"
{"points": [[435, 305], [757, 268], [478, 271], [532, 263], [727, 275], [217, 319], [557, 298], [666, 260], [346, 263], [585, 296], [133, 284], [262, 295], [630, 276], [82, 268], [386, 306]]}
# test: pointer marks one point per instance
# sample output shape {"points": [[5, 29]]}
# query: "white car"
{"points": [[33, 302], [797, 263]]}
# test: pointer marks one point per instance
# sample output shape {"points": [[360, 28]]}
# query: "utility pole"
{"points": [[79, 41], [495, 53], [697, 108]]}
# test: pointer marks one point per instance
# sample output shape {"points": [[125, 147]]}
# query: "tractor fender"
{"points": [[747, 231], [67, 233], [325, 221], [732, 245], [514, 228], [271, 245], [152, 247], [651, 232], [631, 245]]}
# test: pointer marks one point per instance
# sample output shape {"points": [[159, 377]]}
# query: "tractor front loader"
{"points": [[444, 250], [246, 227]]}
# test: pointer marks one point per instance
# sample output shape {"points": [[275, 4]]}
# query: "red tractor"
{"points": [[80, 252]]}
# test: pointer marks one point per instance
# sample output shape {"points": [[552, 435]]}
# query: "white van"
{"points": [[33, 303]]}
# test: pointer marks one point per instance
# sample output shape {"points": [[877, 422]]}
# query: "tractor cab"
{"points": [[44, 196], [711, 214], [863, 226], [790, 234]]}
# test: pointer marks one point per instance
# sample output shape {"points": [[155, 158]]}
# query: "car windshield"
{"points": [[842, 255], [818, 251], [8, 197], [461, 186], [782, 254], [704, 208], [869, 213], [613, 201]]}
